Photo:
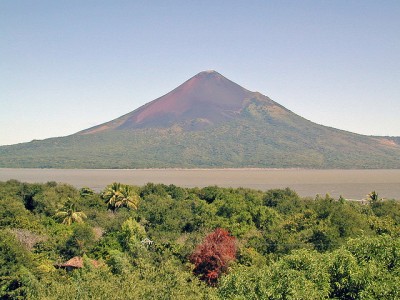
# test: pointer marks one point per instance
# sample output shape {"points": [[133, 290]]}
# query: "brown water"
{"points": [[351, 184]]}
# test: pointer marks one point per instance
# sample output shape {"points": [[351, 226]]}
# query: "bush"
{"points": [[211, 258]]}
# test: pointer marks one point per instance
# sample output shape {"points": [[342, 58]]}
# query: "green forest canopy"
{"points": [[142, 239]]}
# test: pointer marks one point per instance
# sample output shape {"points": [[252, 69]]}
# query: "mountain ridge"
{"points": [[208, 97], [208, 121]]}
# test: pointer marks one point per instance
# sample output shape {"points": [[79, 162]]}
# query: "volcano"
{"points": [[208, 121], [205, 99]]}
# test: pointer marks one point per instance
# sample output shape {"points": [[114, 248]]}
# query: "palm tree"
{"points": [[70, 215], [112, 194], [127, 198], [119, 195]]}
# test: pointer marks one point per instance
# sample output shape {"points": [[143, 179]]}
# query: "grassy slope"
{"points": [[257, 139]]}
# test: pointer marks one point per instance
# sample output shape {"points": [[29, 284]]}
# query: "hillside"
{"points": [[208, 121]]}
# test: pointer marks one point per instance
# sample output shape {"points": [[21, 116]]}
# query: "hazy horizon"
{"points": [[68, 66]]}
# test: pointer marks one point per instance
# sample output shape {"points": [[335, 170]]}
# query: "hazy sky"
{"points": [[68, 65]]}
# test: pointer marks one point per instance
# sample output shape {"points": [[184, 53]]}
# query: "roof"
{"points": [[77, 262]]}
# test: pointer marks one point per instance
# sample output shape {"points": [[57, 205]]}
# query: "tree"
{"points": [[69, 214], [373, 197], [52, 198], [80, 242], [119, 195], [211, 258], [285, 201], [15, 262], [132, 234], [85, 192], [111, 194], [127, 198]]}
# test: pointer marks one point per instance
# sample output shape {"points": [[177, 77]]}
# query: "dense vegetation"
{"points": [[167, 242], [259, 138]]}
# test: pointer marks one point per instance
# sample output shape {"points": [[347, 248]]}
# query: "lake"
{"points": [[351, 184]]}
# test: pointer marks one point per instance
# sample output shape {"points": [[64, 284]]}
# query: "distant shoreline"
{"points": [[203, 169], [352, 184]]}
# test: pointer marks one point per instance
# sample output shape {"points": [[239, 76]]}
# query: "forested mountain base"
{"points": [[237, 144], [168, 242]]}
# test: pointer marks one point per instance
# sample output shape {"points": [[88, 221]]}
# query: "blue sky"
{"points": [[68, 65]]}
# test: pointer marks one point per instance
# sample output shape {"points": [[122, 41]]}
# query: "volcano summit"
{"points": [[208, 121], [206, 99]]}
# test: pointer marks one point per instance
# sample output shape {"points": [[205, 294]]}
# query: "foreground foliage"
{"points": [[191, 243], [211, 257]]}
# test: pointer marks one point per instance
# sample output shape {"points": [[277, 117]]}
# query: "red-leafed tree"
{"points": [[211, 258]]}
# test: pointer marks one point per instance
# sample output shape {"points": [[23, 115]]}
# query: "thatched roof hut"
{"points": [[76, 263]]}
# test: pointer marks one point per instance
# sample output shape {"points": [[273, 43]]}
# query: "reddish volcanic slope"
{"points": [[208, 122], [206, 98]]}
